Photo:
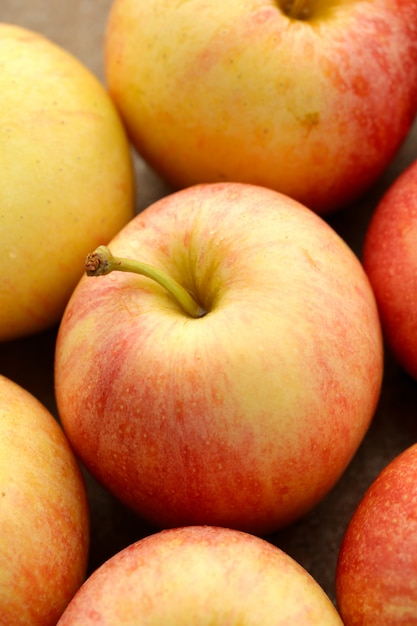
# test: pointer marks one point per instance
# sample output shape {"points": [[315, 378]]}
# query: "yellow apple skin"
{"points": [[44, 515], [66, 179], [245, 417], [201, 576], [314, 108]]}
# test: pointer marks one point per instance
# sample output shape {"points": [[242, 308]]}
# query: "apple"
{"points": [[247, 415], [312, 99], [390, 260], [201, 576], [377, 566], [44, 514], [66, 177]]}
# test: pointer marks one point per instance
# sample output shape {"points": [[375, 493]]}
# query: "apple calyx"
{"points": [[102, 262], [296, 9]]}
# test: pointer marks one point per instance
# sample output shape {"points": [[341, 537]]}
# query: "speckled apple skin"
{"points": [[201, 576], [390, 260], [245, 417], [377, 566], [44, 513], [314, 108]]}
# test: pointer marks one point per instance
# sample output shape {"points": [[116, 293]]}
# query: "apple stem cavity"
{"points": [[102, 262], [297, 9]]}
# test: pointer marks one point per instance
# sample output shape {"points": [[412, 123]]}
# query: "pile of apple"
{"points": [[220, 354]]}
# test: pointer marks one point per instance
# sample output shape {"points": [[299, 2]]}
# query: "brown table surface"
{"points": [[314, 541]]}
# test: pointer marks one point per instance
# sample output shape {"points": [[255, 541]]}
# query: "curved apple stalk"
{"points": [[102, 262]]}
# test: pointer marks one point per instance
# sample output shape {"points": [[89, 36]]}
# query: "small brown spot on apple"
{"points": [[310, 120]]}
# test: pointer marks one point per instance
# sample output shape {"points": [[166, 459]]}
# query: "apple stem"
{"points": [[102, 262], [297, 9]]}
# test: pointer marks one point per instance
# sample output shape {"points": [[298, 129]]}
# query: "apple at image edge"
{"points": [[201, 576], [249, 415], [390, 260], [67, 179], [316, 108], [44, 515], [377, 563]]}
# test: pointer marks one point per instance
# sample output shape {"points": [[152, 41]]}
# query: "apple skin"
{"points": [[314, 108], [44, 516], [390, 260], [201, 576], [377, 566], [67, 178], [245, 417]]}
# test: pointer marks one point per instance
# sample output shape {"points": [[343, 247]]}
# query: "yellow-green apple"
{"points": [[44, 514], [310, 98], [377, 566], [390, 260], [201, 576], [244, 416], [66, 177]]}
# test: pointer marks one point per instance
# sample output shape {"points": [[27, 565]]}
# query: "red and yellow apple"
{"points": [[44, 513], [310, 98], [390, 260], [201, 576], [66, 177], [245, 416], [377, 567]]}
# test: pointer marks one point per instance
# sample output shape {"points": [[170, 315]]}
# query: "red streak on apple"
{"points": [[201, 575], [390, 260], [314, 108], [44, 521], [247, 416], [377, 567]]}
